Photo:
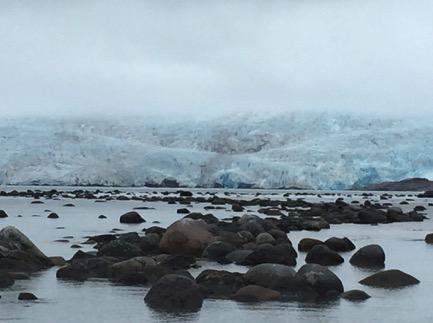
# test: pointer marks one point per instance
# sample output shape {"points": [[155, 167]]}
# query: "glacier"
{"points": [[306, 150]]}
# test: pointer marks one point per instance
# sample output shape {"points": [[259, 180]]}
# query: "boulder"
{"points": [[6, 280], [324, 256], [57, 261], [265, 237], [18, 253], [307, 244], [371, 216], [281, 254], [315, 282], [175, 293], [340, 244], [429, 238], [27, 297], [355, 295], [254, 293], [131, 266], [131, 218], [220, 283], [371, 256], [186, 236], [392, 278], [3, 214], [274, 276], [53, 216], [218, 250], [237, 256], [119, 249]]}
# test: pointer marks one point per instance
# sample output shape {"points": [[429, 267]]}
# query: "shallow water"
{"points": [[102, 301]]}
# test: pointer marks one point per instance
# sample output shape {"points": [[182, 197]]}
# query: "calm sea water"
{"points": [[102, 301]]}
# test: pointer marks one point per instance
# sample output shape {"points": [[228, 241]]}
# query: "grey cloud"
{"points": [[212, 57]]}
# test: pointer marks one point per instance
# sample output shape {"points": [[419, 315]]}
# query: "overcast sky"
{"points": [[129, 57]]}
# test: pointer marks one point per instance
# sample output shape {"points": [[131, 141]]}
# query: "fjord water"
{"points": [[103, 301]]}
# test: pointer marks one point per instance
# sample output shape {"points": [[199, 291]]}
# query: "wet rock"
{"points": [[186, 236], [355, 295], [254, 293], [218, 250], [392, 278], [340, 244], [371, 256], [3, 214], [177, 262], [324, 256], [102, 216], [419, 208], [220, 283], [69, 205], [53, 216], [316, 282], [155, 229], [395, 214], [315, 225], [27, 297], [307, 244], [6, 280], [131, 218], [274, 276], [175, 293]]}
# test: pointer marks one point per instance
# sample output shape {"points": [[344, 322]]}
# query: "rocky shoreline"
{"points": [[160, 258]]}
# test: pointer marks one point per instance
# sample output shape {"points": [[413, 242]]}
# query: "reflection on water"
{"points": [[102, 301]]}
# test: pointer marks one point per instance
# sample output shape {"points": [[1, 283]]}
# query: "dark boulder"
{"points": [[220, 283], [6, 280], [392, 278], [429, 238], [340, 244], [355, 295], [120, 249], [53, 216], [372, 216], [175, 293], [237, 256], [218, 250], [27, 297], [131, 218], [3, 214], [274, 276], [371, 256], [317, 282], [254, 293], [324, 256], [281, 254], [307, 244]]}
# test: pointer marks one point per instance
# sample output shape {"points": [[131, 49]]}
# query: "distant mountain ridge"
{"points": [[410, 184], [305, 150]]}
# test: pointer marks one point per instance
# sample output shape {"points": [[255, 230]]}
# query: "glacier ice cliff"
{"points": [[311, 150]]}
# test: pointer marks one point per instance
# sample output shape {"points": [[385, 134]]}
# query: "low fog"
{"points": [[215, 57]]}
